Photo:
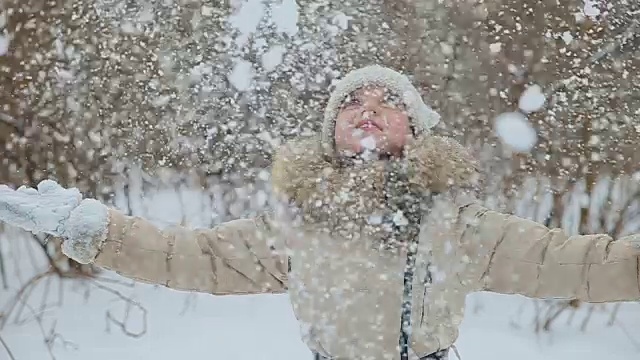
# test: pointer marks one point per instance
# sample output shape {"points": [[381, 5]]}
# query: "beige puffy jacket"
{"points": [[346, 291]]}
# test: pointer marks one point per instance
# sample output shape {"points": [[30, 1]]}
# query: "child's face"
{"points": [[372, 118]]}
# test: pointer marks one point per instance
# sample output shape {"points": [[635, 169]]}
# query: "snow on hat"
{"points": [[422, 117]]}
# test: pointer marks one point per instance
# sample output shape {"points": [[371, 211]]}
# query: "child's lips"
{"points": [[368, 125]]}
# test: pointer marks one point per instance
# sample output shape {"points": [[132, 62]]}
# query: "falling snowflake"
{"points": [[515, 131], [4, 45], [368, 143], [532, 99], [591, 8], [272, 58], [240, 76]]}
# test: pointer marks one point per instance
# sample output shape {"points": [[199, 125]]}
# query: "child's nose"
{"points": [[372, 106]]}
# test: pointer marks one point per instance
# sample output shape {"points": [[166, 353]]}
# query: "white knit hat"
{"points": [[422, 117]]}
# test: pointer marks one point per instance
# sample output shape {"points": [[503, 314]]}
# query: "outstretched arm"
{"points": [[519, 256], [232, 258]]}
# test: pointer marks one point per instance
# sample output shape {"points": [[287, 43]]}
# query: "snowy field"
{"points": [[200, 326]]}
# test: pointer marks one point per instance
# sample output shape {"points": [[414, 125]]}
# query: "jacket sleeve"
{"points": [[519, 256], [232, 258]]}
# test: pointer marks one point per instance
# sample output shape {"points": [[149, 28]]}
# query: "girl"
{"points": [[376, 237]]}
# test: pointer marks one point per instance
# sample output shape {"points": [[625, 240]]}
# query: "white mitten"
{"points": [[61, 212], [44, 210]]}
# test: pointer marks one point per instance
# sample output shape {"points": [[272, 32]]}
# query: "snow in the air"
{"points": [[246, 18], [285, 16], [515, 130], [4, 45], [368, 142], [342, 20], [532, 99], [241, 75], [495, 47], [273, 57], [592, 8], [567, 37]]}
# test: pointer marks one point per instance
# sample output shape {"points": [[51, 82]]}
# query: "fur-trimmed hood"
{"points": [[328, 194], [437, 163]]}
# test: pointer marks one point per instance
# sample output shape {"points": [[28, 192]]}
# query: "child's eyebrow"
{"points": [[357, 93]]}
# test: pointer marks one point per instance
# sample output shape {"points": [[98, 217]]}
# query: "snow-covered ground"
{"points": [[200, 326]]}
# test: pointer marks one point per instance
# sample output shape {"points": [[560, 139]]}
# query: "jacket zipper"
{"points": [[428, 279]]}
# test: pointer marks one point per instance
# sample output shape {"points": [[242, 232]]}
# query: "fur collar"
{"points": [[436, 163], [359, 200]]}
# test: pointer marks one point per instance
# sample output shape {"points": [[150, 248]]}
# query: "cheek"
{"points": [[398, 124], [346, 119], [344, 126]]}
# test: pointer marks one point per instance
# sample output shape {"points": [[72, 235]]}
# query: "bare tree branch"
{"points": [[6, 347], [3, 272], [11, 121], [129, 304]]}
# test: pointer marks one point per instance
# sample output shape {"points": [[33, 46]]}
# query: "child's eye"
{"points": [[350, 101], [392, 100]]}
